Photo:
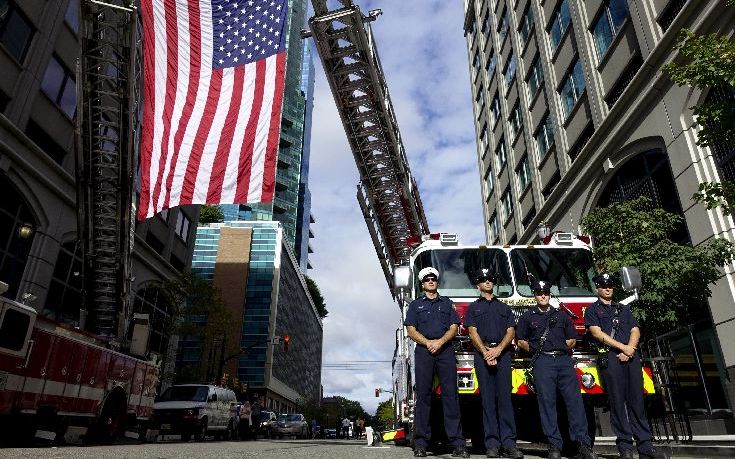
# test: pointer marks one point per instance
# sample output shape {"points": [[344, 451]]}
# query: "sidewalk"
{"points": [[701, 447]]}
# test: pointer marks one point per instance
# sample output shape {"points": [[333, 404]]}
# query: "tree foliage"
{"points": [[707, 62], [332, 410], [384, 415], [196, 301], [211, 214], [316, 295], [676, 277]]}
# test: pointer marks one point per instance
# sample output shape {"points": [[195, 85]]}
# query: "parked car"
{"points": [[292, 424], [268, 424], [330, 433], [195, 409]]}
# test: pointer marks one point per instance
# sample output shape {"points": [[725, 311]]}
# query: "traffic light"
{"points": [[286, 341], [377, 391]]}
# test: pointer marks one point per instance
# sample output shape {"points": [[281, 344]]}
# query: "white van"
{"points": [[195, 409]]}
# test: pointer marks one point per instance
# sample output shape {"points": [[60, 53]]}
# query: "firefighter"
{"points": [[613, 325], [432, 322], [492, 328], [548, 335]]}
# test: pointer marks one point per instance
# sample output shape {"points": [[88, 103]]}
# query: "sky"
{"points": [[424, 56]]}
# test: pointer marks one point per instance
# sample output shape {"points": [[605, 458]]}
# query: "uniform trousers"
{"points": [[552, 372], [444, 364], [623, 382], [496, 387]]}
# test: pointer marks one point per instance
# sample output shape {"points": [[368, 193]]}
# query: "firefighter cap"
{"points": [[426, 271], [604, 279], [542, 286], [485, 273]]}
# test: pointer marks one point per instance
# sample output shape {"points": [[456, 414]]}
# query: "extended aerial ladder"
{"points": [[387, 192]]}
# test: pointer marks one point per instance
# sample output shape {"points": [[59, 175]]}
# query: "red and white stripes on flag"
{"points": [[210, 132]]}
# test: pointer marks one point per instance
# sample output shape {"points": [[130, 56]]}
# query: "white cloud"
{"points": [[424, 58]]}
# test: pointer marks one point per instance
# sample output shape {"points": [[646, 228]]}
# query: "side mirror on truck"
{"points": [[631, 278]]}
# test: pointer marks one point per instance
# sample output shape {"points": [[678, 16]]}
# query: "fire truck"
{"points": [[564, 259], [96, 380]]}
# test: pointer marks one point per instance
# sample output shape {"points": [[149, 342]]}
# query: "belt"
{"points": [[555, 353], [489, 344]]}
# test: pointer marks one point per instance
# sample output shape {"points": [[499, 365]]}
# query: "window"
{"points": [[58, 83], [535, 78], [544, 137], [572, 88], [471, 32], [476, 65], [608, 24], [483, 140], [494, 229], [509, 72], [561, 19], [182, 226], [16, 31], [501, 155], [503, 27], [480, 100], [14, 329], [152, 300], [524, 30], [72, 15], [506, 206], [486, 21], [14, 245], [45, 142], [65, 290], [524, 174], [492, 61], [489, 183], [495, 110], [516, 121]]}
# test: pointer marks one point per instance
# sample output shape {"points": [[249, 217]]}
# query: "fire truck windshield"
{"points": [[570, 271], [457, 268]]}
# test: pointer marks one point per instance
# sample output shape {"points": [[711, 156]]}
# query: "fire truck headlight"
{"points": [[588, 380]]}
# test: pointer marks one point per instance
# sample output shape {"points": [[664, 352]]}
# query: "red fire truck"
{"points": [[58, 382], [565, 260]]}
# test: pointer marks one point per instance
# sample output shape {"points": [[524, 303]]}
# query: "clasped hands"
{"points": [[627, 353], [490, 354]]}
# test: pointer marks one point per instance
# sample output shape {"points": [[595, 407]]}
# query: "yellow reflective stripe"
{"points": [[648, 387]]}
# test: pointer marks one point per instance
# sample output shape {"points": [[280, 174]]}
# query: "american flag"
{"points": [[213, 85]]}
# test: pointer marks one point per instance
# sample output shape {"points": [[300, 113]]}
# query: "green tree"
{"points": [[384, 415], [708, 62], [211, 214], [193, 299], [316, 295], [676, 277]]}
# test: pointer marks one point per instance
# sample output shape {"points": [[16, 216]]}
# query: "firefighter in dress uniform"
{"points": [[432, 322], [548, 334], [492, 328], [614, 327]]}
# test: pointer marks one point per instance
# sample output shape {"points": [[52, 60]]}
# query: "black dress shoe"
{"points": [[460, 451], [419, 452], [626, 454], [653, 454], [512, 453], [585, 452], [554, 452], [492, 452]]}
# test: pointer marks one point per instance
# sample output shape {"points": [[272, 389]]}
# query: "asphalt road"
{"points": [[261, 449]]}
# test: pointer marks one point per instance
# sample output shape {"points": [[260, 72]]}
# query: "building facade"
{"points": [[39, 46], [573, 112], [305, 217], [263, 288]]}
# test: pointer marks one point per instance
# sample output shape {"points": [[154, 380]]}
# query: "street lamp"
{"points": [[25, 230]]}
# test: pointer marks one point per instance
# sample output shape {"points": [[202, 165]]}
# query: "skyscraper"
{"points": [[573, 112], [305, 217]]}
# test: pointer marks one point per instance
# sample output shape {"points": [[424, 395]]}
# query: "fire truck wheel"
{"points": [[111, 421]]}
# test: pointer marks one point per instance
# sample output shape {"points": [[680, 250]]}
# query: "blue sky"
{"points": [[424, 57]]}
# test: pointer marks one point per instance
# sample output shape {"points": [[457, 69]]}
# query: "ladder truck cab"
{"points": [[564, 259], [59, 383]]}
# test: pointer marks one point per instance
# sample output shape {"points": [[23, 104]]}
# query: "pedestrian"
{"points": [[361, 427], [357, 428], [548, 334], [346, 427], [492, 328], [432, 322], [614, 327], [245, 418], [313, 428], [255, 415]]}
